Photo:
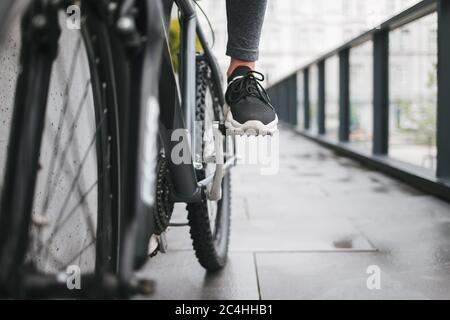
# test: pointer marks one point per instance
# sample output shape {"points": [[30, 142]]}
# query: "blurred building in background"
{"points": [[295, 31]]}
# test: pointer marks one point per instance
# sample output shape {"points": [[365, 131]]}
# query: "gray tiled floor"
{"points": [[312, 230]]}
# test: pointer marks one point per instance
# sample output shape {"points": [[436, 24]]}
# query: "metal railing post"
{"points": [[284, 96], [381, 93], [321, 98], [306, 105], [293, 100], [344, 95]]}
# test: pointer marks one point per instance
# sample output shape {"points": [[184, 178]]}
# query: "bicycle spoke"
{"points": [[39, 245], [51, 183], [62, 116], [60, 224], [86, 209], [76, 158], [50, 186], [62, 265], [69, 168], [78, 255], [77, 176]]}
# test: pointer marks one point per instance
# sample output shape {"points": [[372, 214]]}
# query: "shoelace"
{"points": [[249, 85]]}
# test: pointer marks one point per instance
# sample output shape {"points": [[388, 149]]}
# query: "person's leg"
{"points": [[248, 109], [245, 20]]}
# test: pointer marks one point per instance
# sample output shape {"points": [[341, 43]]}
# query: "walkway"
{"points": [[311, 232]]}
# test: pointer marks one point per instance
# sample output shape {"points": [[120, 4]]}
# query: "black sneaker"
{"points": [[248, 110]]}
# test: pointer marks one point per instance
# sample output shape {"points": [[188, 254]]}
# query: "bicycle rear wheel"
{"points": [[59, 198], [209, 220]]}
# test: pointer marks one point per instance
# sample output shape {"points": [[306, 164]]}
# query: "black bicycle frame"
{"points": [[152, 69], [178, 109]]}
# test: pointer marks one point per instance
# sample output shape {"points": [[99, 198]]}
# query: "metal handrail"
{"points": [[284, 94]]}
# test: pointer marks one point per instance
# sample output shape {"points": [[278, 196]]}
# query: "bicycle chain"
{"points": [[164, 205]]}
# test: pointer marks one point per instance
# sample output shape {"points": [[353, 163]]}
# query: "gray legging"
{"points": [[245, 20]]}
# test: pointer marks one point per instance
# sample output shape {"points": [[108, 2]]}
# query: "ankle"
{"points": [[234, 63]]}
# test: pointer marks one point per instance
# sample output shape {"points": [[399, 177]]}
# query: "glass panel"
{"points": [[313, 99], [361, 96], [413, 92], [300, 102], [332, 97]]}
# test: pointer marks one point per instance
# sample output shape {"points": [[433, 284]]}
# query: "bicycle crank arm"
{"points": [[202, 184], [225, 168], [215, 192]]}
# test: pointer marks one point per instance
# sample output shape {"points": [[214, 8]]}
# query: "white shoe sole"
{"points": [[251, 127]]}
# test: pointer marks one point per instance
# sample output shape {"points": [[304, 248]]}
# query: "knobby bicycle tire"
{"points": [[210, 243]]}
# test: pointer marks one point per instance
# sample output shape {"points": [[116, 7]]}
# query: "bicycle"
{"points": [[85, 169]]}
